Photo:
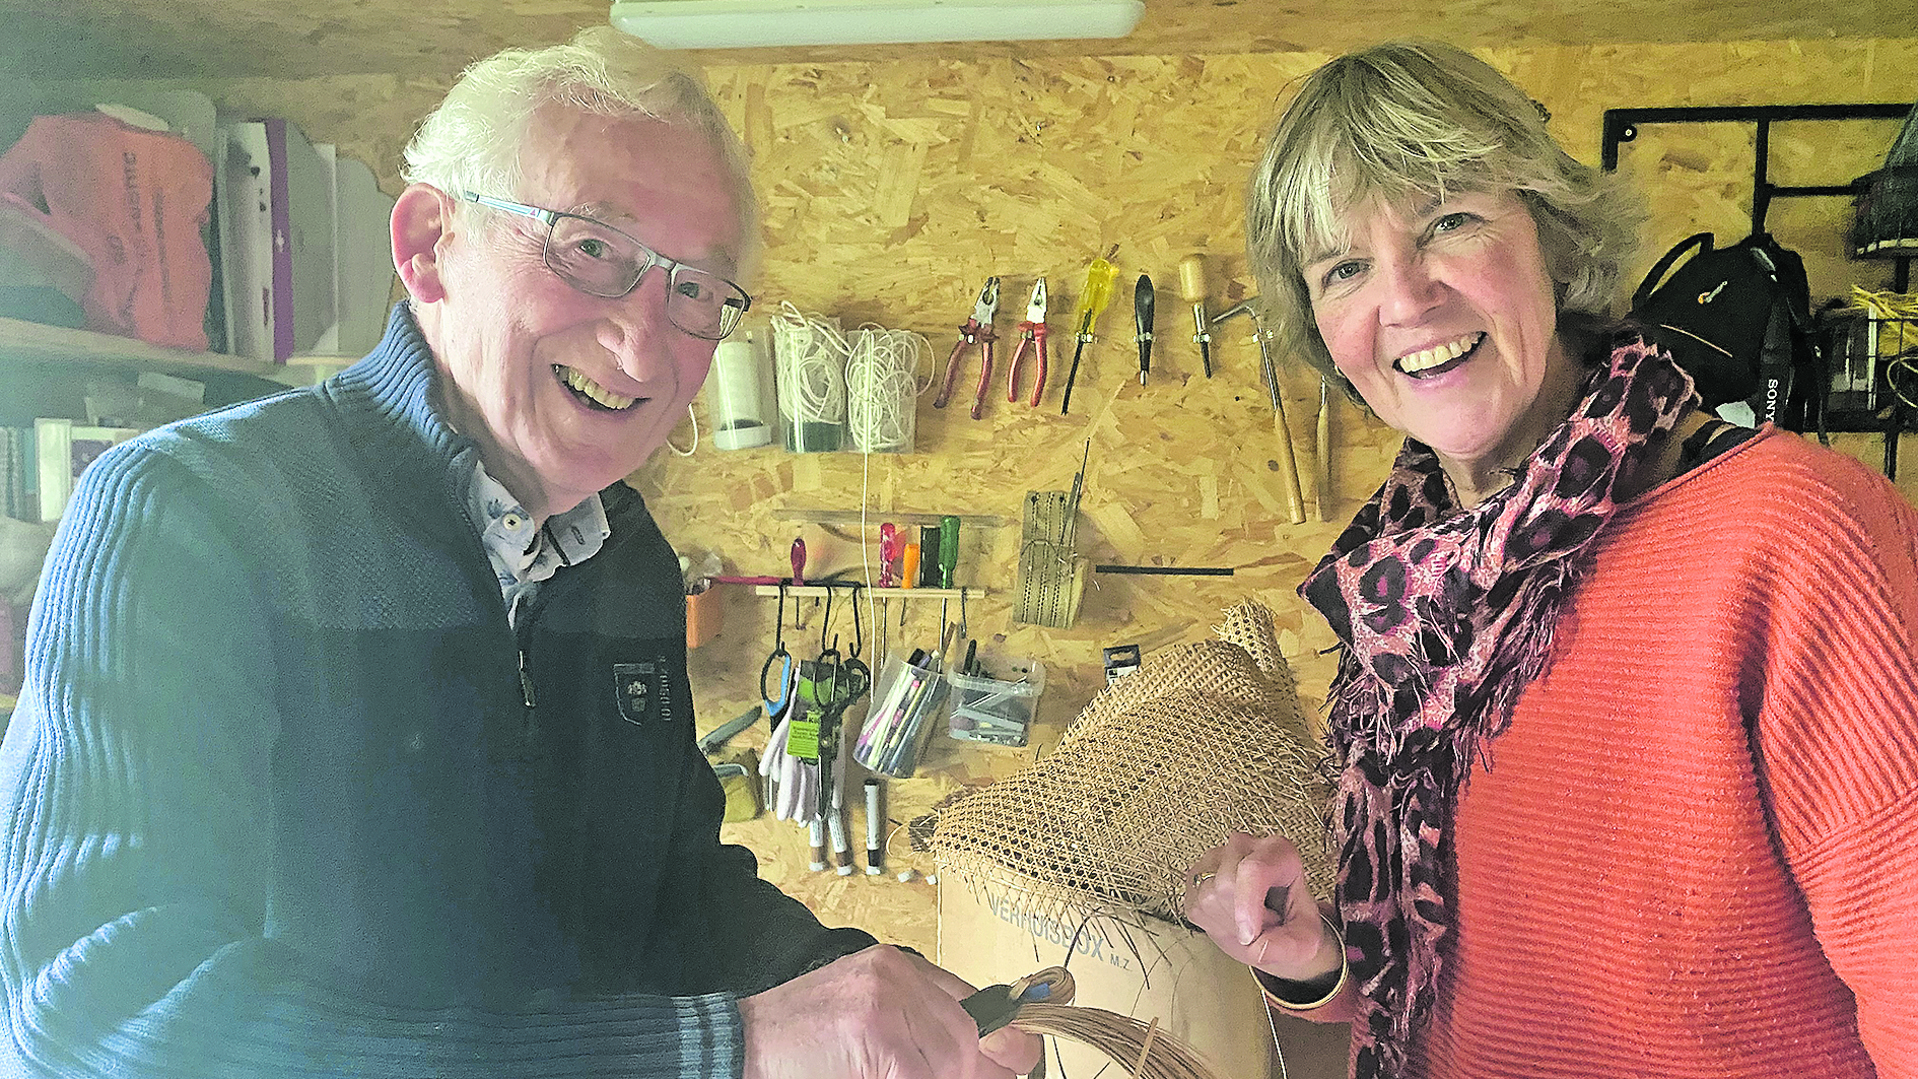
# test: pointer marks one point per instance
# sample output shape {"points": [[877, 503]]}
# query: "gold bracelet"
{"points": [[1345, 970]]}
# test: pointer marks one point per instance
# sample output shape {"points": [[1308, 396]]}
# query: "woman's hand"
{"points": [[1250, 897]]}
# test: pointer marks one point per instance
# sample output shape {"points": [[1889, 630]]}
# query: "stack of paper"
{"points": [[304, 257]]}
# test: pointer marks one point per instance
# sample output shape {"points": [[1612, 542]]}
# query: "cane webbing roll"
{"points": [[1205, 739]]}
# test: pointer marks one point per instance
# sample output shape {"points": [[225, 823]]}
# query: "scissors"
{"points": [[776, 706]]}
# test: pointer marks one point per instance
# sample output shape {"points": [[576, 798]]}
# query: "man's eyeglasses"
{"points": [[600, 260]]}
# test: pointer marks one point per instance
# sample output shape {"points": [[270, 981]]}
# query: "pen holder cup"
{"points": [[904, 702], [704, 616], [995, 710]]}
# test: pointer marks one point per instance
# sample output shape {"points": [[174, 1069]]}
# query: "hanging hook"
{"points": [[779, 624], [858, 631], [826, 622]]}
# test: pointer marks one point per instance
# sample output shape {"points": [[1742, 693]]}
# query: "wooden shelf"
{"points": [[816, 590], [874, 518], [32, 341]]}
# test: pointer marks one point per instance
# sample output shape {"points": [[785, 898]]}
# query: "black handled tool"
{"points": [[996, 1005], [1142, 319]]}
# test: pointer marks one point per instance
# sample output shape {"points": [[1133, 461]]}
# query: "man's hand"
{"points": [[878, 1014], [1250, 897]]}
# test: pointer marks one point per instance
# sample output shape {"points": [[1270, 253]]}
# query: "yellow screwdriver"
{"points": [[1092, 300]]}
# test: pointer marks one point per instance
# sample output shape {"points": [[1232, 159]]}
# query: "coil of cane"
{"points": [[1140, 1048]]}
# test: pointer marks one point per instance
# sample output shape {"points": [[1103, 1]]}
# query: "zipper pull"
{"points": [[525, 680]]}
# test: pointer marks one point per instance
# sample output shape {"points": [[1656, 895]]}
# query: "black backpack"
{"points": [[1738, 320]]}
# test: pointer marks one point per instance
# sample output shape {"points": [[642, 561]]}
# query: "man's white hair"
{"points": [[473, 140]]}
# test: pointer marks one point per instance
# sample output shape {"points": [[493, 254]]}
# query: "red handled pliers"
{"points": [[977, 330], [1032, 330]]}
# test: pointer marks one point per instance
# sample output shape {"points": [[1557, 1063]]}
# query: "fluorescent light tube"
{"points": [[737, 24]]}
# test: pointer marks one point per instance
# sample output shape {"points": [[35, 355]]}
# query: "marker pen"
{"points": [[875, 823]]}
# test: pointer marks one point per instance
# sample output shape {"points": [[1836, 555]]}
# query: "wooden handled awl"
{"points": [[1287, 462], [1192, 289], [1324, 493]]}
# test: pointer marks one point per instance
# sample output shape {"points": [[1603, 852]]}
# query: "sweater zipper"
{"points": [[523, 634], [520, 616], [525, 681]]}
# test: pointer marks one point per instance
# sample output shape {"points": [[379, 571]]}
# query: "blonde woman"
{"points": [[1626, 718]]}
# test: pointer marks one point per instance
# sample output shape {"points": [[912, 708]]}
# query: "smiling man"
{"points": [[356, 738]]}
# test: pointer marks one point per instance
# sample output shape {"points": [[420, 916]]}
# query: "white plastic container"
{"points": [[998, 711], [903, 701], [740, 401]]}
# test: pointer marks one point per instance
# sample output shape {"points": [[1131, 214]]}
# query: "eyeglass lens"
{"points": [[606, 262]]}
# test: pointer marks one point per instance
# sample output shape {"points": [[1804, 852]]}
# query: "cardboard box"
{"points": [[1143, 968]]}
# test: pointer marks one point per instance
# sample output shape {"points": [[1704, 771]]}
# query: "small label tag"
{"points": [[637, 691], [802, 738]]}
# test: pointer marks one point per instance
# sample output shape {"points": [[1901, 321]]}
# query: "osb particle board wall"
{"points": [[892, 190]]}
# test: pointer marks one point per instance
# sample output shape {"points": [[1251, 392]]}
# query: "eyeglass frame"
{"points": [[550, 218]]}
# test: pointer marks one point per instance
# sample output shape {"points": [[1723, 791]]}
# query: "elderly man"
{"points": [[357, 738]]}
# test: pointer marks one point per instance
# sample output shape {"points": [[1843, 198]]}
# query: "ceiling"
{"points": [[299, 38]]}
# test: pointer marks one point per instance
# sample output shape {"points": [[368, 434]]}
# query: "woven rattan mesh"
{"points": [[1203, 740]]}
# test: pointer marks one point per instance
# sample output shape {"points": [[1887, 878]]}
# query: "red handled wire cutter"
{"points": [[1031, 332], [977, 330]]}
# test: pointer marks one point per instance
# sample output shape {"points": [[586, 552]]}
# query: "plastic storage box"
{"points": [[995, 710]]}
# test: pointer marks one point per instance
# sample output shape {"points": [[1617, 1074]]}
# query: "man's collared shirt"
{"points": [[522, 553]]}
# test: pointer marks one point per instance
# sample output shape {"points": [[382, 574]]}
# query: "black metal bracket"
{"points": [[1621, 126]]}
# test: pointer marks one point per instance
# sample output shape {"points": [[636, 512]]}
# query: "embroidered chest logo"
{"points": [[643, 692]]}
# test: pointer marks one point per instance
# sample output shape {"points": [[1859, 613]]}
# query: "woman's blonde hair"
{"points": [[1403, 121], [473, 139]]}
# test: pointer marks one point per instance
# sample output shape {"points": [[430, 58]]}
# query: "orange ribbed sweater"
{"points": [[1696, 853]]}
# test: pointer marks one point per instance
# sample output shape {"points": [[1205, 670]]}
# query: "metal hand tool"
{"points": [[1325, 449], [720, 735], [929, 541], [1031, 332], [888, 551], [996, 1005], [977, 330], [909, 568], [1092, 300], [850, 682], [1288, 463], [1192, 289], [1142, 322], [948, 549]]}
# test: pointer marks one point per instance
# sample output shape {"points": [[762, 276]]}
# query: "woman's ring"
{"points": [[1202, 878]]}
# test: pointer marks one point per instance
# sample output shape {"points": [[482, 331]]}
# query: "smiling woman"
{"points": [[1444, 320], [1669, 806]]}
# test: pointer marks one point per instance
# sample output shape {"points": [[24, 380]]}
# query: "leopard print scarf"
{"points": [[1444, 616]]}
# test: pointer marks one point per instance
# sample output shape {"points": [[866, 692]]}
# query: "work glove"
{"points": [[793, 782]]}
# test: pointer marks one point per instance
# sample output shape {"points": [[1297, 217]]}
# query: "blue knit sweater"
{"points": [[277, 802]]}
